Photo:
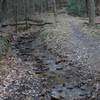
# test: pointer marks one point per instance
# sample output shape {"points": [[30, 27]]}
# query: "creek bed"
{"points": [[46, 77]]}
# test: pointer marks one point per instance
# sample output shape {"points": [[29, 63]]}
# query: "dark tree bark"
{"points": [[4, 5], [55, 10], [91, 12], [4, 9], [87, 7]]}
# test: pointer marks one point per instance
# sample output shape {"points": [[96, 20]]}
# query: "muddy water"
{"points": [[29, 49]]}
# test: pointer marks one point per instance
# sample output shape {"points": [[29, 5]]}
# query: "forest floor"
{"points": [[53, 62]]}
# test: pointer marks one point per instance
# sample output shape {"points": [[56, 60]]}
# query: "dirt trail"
{"points": [[88, 47], [71, 34]]}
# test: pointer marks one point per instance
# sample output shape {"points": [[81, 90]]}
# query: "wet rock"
{"points": [[70, 87], [59, 68]]}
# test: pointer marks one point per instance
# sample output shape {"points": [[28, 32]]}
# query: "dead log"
{"points": [[37, 24]]}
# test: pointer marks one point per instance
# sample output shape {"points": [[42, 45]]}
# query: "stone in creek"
{"points": [[59, 68]]}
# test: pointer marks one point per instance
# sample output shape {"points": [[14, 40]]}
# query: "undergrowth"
{"points": [[4, 45]]}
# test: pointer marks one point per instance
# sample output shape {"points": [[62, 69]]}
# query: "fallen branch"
{"points": [[37, 24]]}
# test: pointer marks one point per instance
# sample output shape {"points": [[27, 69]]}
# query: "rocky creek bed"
{"points": [[37, 74]]}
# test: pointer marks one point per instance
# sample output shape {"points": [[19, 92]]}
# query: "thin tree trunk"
{"points": [[91, 12], [26, 13], [4, 9], [16, 18], [55, 11], [87, 14], [15, 13]]}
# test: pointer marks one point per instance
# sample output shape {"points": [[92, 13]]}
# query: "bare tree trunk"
{"points": [[16, 17], [46, 8], [91, 12], [41, 6], [4, 9], [15, 13], [86, 3], [55, 11], [26, 13]]}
